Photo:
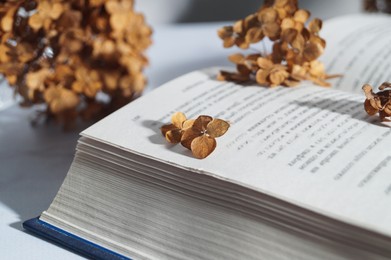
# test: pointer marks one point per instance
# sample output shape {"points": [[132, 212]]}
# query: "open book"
{"points": [[302, 172]]}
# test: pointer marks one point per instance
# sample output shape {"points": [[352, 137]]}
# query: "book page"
{"points": [[312, 146], [358, 46]]}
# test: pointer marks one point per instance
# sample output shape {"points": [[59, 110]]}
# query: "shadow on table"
{"points": [[34, 162]]}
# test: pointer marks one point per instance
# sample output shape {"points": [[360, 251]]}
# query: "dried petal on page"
{"points": [[201, 123], [217, 128], [188, 124], [174, 136], [203, 146], [188, 136], [177, 119], [166, 128]]}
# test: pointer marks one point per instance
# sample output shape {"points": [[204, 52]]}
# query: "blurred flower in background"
{"points": [[377, 6], [82, 60]]}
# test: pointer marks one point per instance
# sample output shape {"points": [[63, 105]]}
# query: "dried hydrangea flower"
{"points": [[378, 102], [50, 48], [296, 47], [197, 135]]}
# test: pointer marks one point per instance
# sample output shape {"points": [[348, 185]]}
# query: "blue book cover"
{"points": [[70, 241]]}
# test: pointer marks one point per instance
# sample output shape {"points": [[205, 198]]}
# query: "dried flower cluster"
{"points": [[64, 52], [378, 102], [296, 47], [197, 135]]}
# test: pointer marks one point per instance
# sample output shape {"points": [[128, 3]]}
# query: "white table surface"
{"points": [[34, 161]]}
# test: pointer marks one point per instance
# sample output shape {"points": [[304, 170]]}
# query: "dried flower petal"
{"points": [[315, 26], [254, 35], [188, 136], [174, 136], [301, 16], [166, 128], [229, 76], [177, 119], [188, 124], [217, 128], [203, 146], [312, 51], [264, 63], [201, 123], [227, 35], [236, 58], [369, 108]]}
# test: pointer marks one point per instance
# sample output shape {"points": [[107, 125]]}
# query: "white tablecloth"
{"points": [[34, 161]]}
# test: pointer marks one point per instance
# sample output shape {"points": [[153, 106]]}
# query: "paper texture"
{"points": [[358, 47]]}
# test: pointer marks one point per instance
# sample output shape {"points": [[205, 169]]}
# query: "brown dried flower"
{"points": [[196, 135], [296, 47], [65, 53], [378, 102], [271, 74]]}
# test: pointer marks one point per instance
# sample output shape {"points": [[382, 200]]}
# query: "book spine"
{"points": [[70, 241]]}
